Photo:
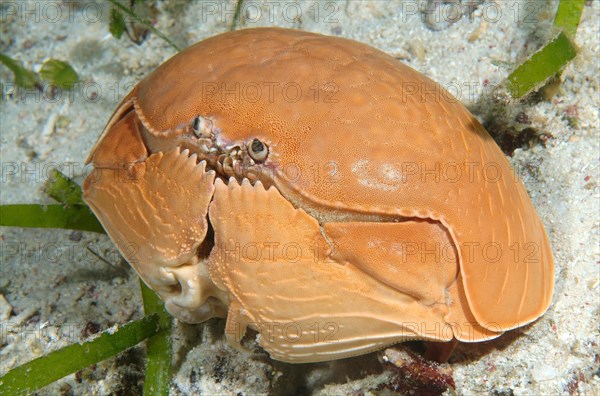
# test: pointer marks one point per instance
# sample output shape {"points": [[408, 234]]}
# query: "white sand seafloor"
{"points": [[54, 292]]}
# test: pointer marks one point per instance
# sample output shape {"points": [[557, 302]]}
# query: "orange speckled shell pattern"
{"points": [[384, 122]]}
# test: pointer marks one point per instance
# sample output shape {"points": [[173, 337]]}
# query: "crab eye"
{"points": [[258, 150], [202, 127]]}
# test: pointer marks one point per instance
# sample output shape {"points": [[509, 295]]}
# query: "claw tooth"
{"points": [[245, 182], [219, 183], [199, 170], [258, 184], [232, 180], [186, 152]]}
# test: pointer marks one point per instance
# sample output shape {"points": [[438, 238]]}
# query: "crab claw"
{"points": [[156, 213], [197, 298]]}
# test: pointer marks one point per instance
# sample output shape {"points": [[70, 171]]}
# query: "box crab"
{"points": [[320, 192]]}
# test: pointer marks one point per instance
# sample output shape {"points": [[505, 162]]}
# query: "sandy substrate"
{"points": [[55, 292]]}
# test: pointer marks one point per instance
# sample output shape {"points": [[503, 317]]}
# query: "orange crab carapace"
{"points": [[313, 189]]}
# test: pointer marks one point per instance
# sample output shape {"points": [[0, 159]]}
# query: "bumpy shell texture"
{"points": [[419, 214]]}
